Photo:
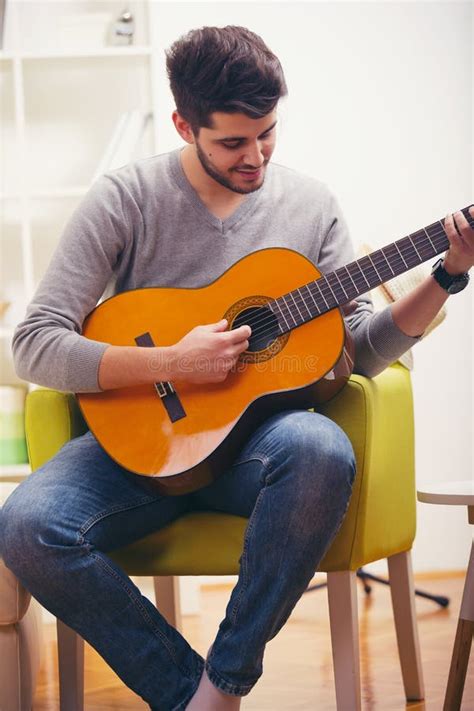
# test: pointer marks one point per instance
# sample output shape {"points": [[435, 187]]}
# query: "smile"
{"points": [[252, 175]]}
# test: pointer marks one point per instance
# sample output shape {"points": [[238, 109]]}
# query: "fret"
{"points": [[331, 296], [401, 255], [301, 315], [304, 302], [369, 270], [381, 264], [275, 301], [409, 252], [289, 309], [325, 281], [352, 280], [397, 260], [429, 238], [342, 286], [320, 291], [423, 244], [439, 239], [289, 312], [388, 263], [444, 236], [381, 267], [376, 270], [337, 286], [311, 294], [358, 279], [362, 275], [360, 269], [414, 247]]}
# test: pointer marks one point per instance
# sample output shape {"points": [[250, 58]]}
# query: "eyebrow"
{"points": [[243, 138]]}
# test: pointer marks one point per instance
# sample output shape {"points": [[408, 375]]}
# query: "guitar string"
{"points": [[265, 323], [259, 325], [348, 282], [419, 236]]}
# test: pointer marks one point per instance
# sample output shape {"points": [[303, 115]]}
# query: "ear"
{"points": [[183, 127]]}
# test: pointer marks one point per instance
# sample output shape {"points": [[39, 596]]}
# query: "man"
{"points": [[182, 219]]}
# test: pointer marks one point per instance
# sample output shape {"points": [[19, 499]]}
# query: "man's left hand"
{"points": [[460, 256]]}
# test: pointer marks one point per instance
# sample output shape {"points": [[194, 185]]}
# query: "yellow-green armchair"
{"points": [[377, 415]]}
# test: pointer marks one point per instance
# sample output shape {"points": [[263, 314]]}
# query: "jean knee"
{"points": [[322, 448]]}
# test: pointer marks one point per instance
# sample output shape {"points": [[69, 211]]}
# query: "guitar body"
{"points": [[186, 445]]}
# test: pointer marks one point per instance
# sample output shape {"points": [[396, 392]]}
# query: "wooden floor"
{"points": [[298, 665]]}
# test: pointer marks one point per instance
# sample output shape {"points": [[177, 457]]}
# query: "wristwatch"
{"points": [[451, 284]]}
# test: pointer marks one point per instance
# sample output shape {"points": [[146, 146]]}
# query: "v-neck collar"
{"points": [[222, 226]]}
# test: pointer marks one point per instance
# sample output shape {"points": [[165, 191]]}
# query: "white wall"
{"points": [[380, 108]]}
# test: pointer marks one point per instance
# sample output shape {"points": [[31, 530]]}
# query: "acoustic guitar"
{"points": [[180, 437]]}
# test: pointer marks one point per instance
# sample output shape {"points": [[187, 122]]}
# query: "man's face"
{"points": [[236, 150]]}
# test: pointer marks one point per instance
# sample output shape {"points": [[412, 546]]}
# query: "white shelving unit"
{"points": [[63, 88]]}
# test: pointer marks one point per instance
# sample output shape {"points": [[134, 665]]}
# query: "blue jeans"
{"points": [[292, 479]]}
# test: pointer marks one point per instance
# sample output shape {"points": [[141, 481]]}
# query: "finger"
{"points": [[462, 224], [241, 347], [218, 326], [450, 229], [237, 348], [239, 334], [349, 308]]}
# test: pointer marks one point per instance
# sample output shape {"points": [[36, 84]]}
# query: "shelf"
{"points": [[131, 51], [72, 192], [58, 117]]}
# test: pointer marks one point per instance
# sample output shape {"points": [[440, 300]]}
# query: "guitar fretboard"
{"points": [[346, 283]]}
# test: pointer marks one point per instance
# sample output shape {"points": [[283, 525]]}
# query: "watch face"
{"points": [[457, 285], [451, 284]]}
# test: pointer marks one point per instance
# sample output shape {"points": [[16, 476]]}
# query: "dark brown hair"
{"points": [[228, 69]]}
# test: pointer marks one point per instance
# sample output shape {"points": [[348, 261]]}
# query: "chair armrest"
{"points": [[52, 418], [377, 415]]}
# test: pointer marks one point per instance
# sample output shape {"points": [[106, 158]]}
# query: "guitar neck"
{"points": [[346, 283]]}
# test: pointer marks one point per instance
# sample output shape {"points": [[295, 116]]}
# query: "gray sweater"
{"points": [[144, 225]]}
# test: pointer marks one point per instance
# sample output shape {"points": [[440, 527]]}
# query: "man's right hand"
{"points": [[208, 353]]}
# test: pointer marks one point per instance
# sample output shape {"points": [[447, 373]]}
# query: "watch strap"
{"points": [[452, 283]]}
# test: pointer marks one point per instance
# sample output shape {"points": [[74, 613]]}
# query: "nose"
{"points": [[254, 156]]}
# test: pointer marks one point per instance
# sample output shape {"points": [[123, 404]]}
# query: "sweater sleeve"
{"points": [[378, 340], [48, 348]]}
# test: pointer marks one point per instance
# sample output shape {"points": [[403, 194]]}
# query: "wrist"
{"points": [[452, 267], [166, 359]]}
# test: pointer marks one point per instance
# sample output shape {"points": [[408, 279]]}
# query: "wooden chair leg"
{"points": [[71, 668], [403, 602], [342, 596], [167, 599], [462, 642]]}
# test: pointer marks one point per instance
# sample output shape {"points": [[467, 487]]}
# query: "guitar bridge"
{"points": [[164, 389]]}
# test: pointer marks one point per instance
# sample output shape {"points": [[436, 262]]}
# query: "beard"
{"points": [[223, 179]]}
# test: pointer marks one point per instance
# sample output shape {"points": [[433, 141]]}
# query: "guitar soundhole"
{"points": [[266, 340], [264, 327]]}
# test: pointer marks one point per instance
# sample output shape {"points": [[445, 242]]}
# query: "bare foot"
{"points": [[209, 698]]}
